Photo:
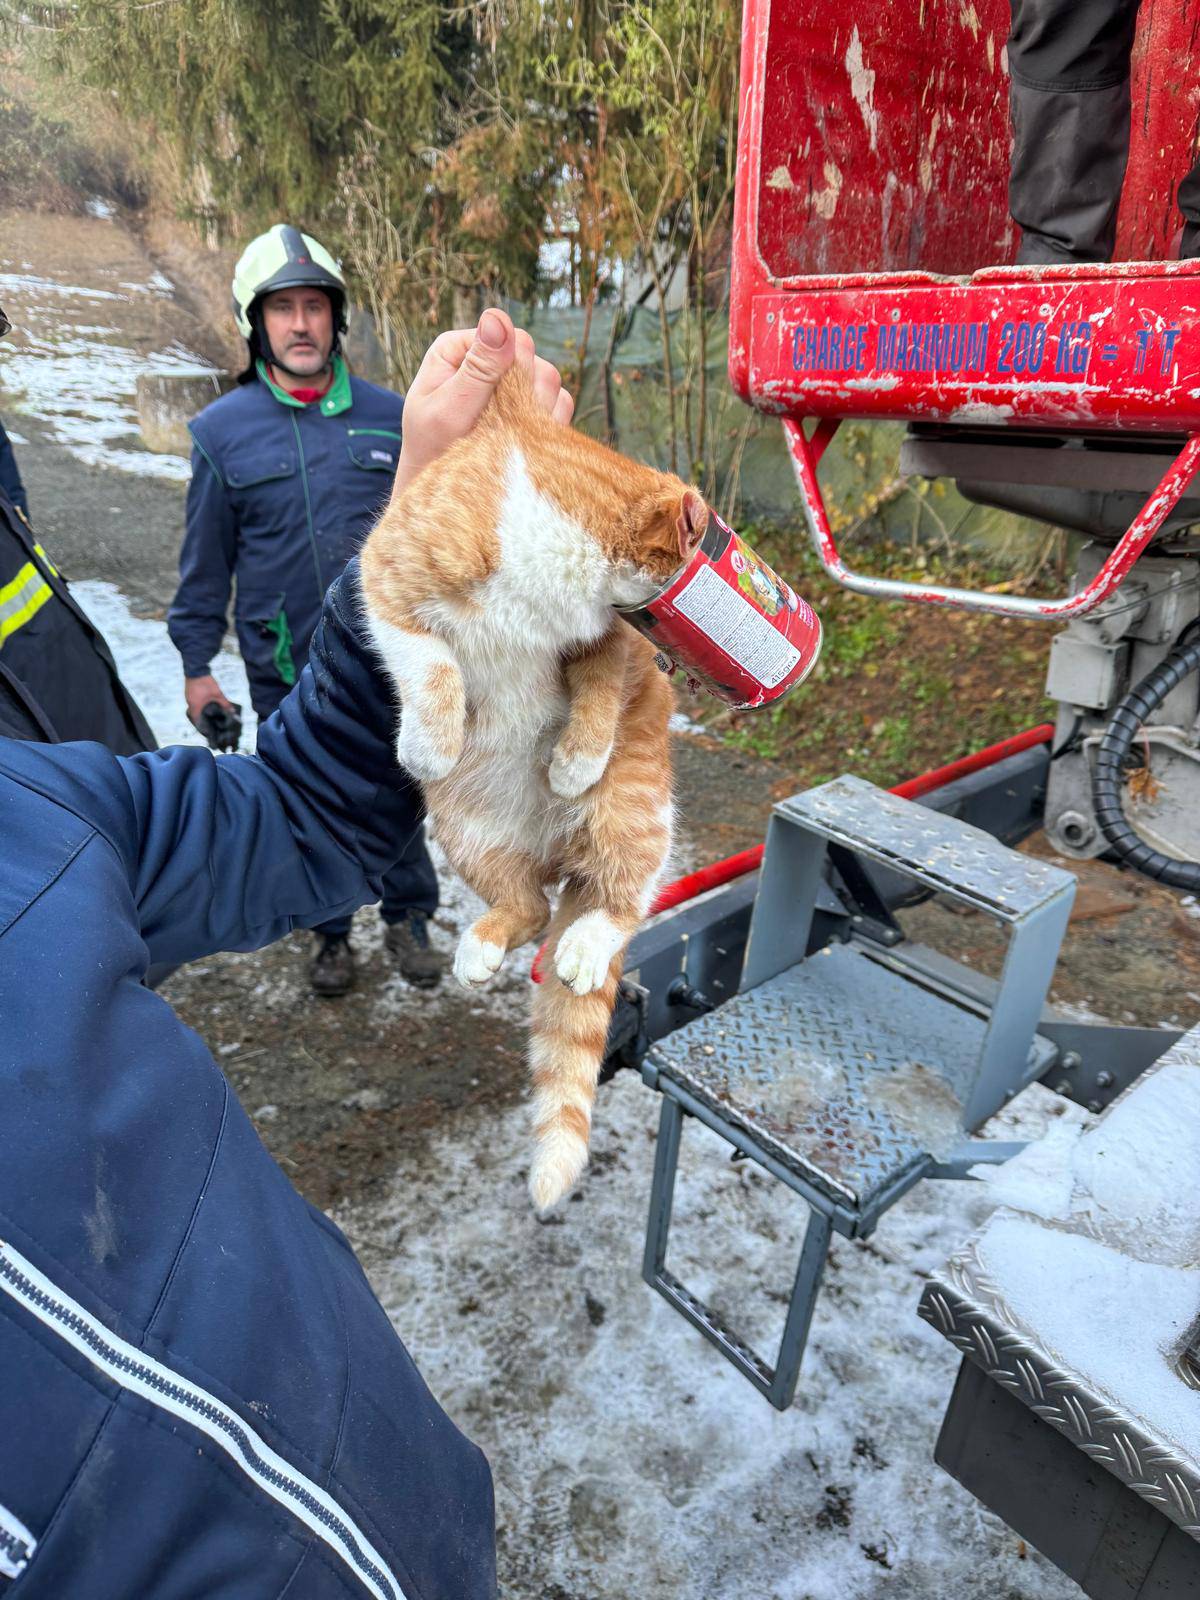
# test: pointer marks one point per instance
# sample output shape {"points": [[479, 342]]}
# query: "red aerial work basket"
{"points": [[872, 272]]}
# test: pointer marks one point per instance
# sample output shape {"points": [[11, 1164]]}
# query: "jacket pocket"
{"points": [[373, 449], [244, 468], [265, 635]]}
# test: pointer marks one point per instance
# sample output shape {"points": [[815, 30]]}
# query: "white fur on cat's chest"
{"points": [[552, 586], [548, 594]]}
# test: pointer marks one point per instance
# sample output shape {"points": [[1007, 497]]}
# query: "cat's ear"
{"points": [[691, 523]]}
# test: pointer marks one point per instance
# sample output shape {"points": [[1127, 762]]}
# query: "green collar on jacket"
{"points": [[338, 398]]}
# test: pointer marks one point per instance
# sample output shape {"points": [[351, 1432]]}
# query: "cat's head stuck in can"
{"points": [[726, 620]]}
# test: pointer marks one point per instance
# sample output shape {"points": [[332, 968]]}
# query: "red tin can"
{"points": [[728, 622]]}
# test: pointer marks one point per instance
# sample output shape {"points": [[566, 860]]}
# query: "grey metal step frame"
{"points": [[1031, 898], [777, 1383], [782, 985], [699, 948]]}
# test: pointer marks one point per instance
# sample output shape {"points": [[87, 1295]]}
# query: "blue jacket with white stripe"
{"points": [[199, 1393], [282, 495]]}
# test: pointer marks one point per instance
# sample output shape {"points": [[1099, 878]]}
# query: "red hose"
{"points": [[737, 866], [710, 877]]}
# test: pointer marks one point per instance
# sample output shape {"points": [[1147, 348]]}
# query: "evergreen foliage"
{"points": [[438, 147]]}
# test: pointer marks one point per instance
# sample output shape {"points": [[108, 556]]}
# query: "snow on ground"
{"points": [[630, 1459], [64, 337], [150, 667], [682, 723]]}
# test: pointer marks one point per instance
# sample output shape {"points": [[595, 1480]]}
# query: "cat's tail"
{"points": [[567, 1035]]}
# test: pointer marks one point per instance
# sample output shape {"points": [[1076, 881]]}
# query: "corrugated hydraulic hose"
{"points": [[1133, 711]]}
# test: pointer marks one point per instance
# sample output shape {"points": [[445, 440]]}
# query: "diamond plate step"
{"points": [[949, 855], [847, 1073]]}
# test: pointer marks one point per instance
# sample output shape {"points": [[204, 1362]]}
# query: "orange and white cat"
{"points": [[535, 718]]}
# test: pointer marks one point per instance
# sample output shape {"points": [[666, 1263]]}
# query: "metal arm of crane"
{"points": [[807, 450]]}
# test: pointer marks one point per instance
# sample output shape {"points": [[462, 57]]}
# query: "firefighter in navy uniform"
{"points": [[289, 472], [57, 678]]}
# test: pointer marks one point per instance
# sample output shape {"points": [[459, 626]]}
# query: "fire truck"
{"points": [[873, 278]]}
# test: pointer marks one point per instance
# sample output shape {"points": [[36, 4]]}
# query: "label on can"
{"points": [[731, 624], [743, 633]]}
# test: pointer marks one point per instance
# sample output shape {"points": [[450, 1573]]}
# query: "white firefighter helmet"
{"points": [[285, 258]]}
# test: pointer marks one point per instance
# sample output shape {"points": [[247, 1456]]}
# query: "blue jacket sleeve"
{"points": [[196, 619], [231, 852], [10, 476]]}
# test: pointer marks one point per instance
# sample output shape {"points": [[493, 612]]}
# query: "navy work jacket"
{"points": [[57, 678], [282, 495], [199, 1393]]}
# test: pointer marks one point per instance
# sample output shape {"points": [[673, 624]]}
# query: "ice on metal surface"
{"points": [[1118, 1322], [964, 860], [1082, 1292], [843, 1070], [1133, 1181]]}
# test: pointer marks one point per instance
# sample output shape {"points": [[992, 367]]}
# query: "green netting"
{"points": [[626, 399]]}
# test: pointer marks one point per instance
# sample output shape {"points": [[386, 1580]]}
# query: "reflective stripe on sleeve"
{"points": [[22, 599], [41, 552]]}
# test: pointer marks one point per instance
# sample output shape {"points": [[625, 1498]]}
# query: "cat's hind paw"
{"points": [[585, 951], [573, 775], [476, 960]]}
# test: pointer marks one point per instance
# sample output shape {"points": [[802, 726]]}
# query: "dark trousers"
{"points": [[411, 885], [1069, 65]]}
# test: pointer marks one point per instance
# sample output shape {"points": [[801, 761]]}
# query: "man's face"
{"points": [[299, 327]]}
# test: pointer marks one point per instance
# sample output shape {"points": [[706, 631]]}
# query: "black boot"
{"points": [[331, 970], [408, 940]]}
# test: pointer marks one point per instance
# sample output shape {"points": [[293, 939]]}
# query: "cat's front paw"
{"points": [[476, 960], [426, 758], [573, 775], [585, 951]]}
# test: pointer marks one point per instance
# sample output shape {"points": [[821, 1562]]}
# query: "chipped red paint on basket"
{"points": [[872, 241], [872, 251]]}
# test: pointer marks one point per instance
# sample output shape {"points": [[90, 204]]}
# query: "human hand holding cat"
{"points": [[457, 378]]}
